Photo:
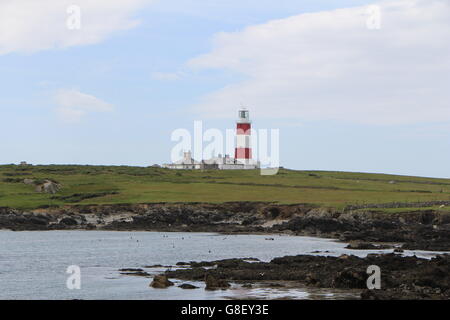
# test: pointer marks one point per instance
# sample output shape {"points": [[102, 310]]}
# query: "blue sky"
{"points": [[344, 97]]}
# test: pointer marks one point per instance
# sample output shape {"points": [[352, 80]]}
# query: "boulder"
{"points": [[161, 282], [187, 286], [131, 270], [134, 272], [48, 187], [28, 181], [68, 222], [365, 246], [350, 278], [212, 283]]}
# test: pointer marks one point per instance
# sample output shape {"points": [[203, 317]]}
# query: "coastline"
{"points": [[408, 278], [416, 230], [403, 277]]}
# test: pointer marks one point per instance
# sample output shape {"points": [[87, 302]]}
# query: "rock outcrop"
{"points": [[43, 186], [214, 283], [401, 277], [426, 230], [161, 282], [48, 187], [187, 286]]}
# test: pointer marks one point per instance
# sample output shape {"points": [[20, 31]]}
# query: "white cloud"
{"points": [[330, 66], [29, 26], [74, 105]]}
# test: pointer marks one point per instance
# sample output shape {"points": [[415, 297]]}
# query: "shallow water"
{"points": [[33, 264]]}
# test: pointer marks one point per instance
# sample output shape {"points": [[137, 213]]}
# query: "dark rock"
{"points": [[134, 272], [366, 246], [131, 270], [137, 274], [90, 226], [154, 266], [68, 222], [275, 285], [402, 277], [372, 295], [350, 278], [213, 283], [187, 286], [161, 282], [361, 246]]}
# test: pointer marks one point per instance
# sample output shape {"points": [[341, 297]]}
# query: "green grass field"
{"points": [[127, 185]]}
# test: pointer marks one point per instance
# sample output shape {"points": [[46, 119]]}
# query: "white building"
{"points": [[187, 163], [218, 163]]}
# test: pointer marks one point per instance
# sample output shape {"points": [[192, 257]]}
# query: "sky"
{"points": [[351, 85]]}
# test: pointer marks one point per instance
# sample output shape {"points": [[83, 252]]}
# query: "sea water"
{"points": [[33, 265]]}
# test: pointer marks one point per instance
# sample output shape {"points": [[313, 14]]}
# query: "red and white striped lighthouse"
{"points": [[243, 152]]}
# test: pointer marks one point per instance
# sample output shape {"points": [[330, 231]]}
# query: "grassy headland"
{"points": [[131, 185]]}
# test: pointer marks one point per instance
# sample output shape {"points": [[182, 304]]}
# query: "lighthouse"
{"points": [[243, 152], [243, 157]]}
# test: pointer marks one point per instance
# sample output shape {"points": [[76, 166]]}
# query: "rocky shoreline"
{"points": [[401, 277], [408, 278], [415, 230]]}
